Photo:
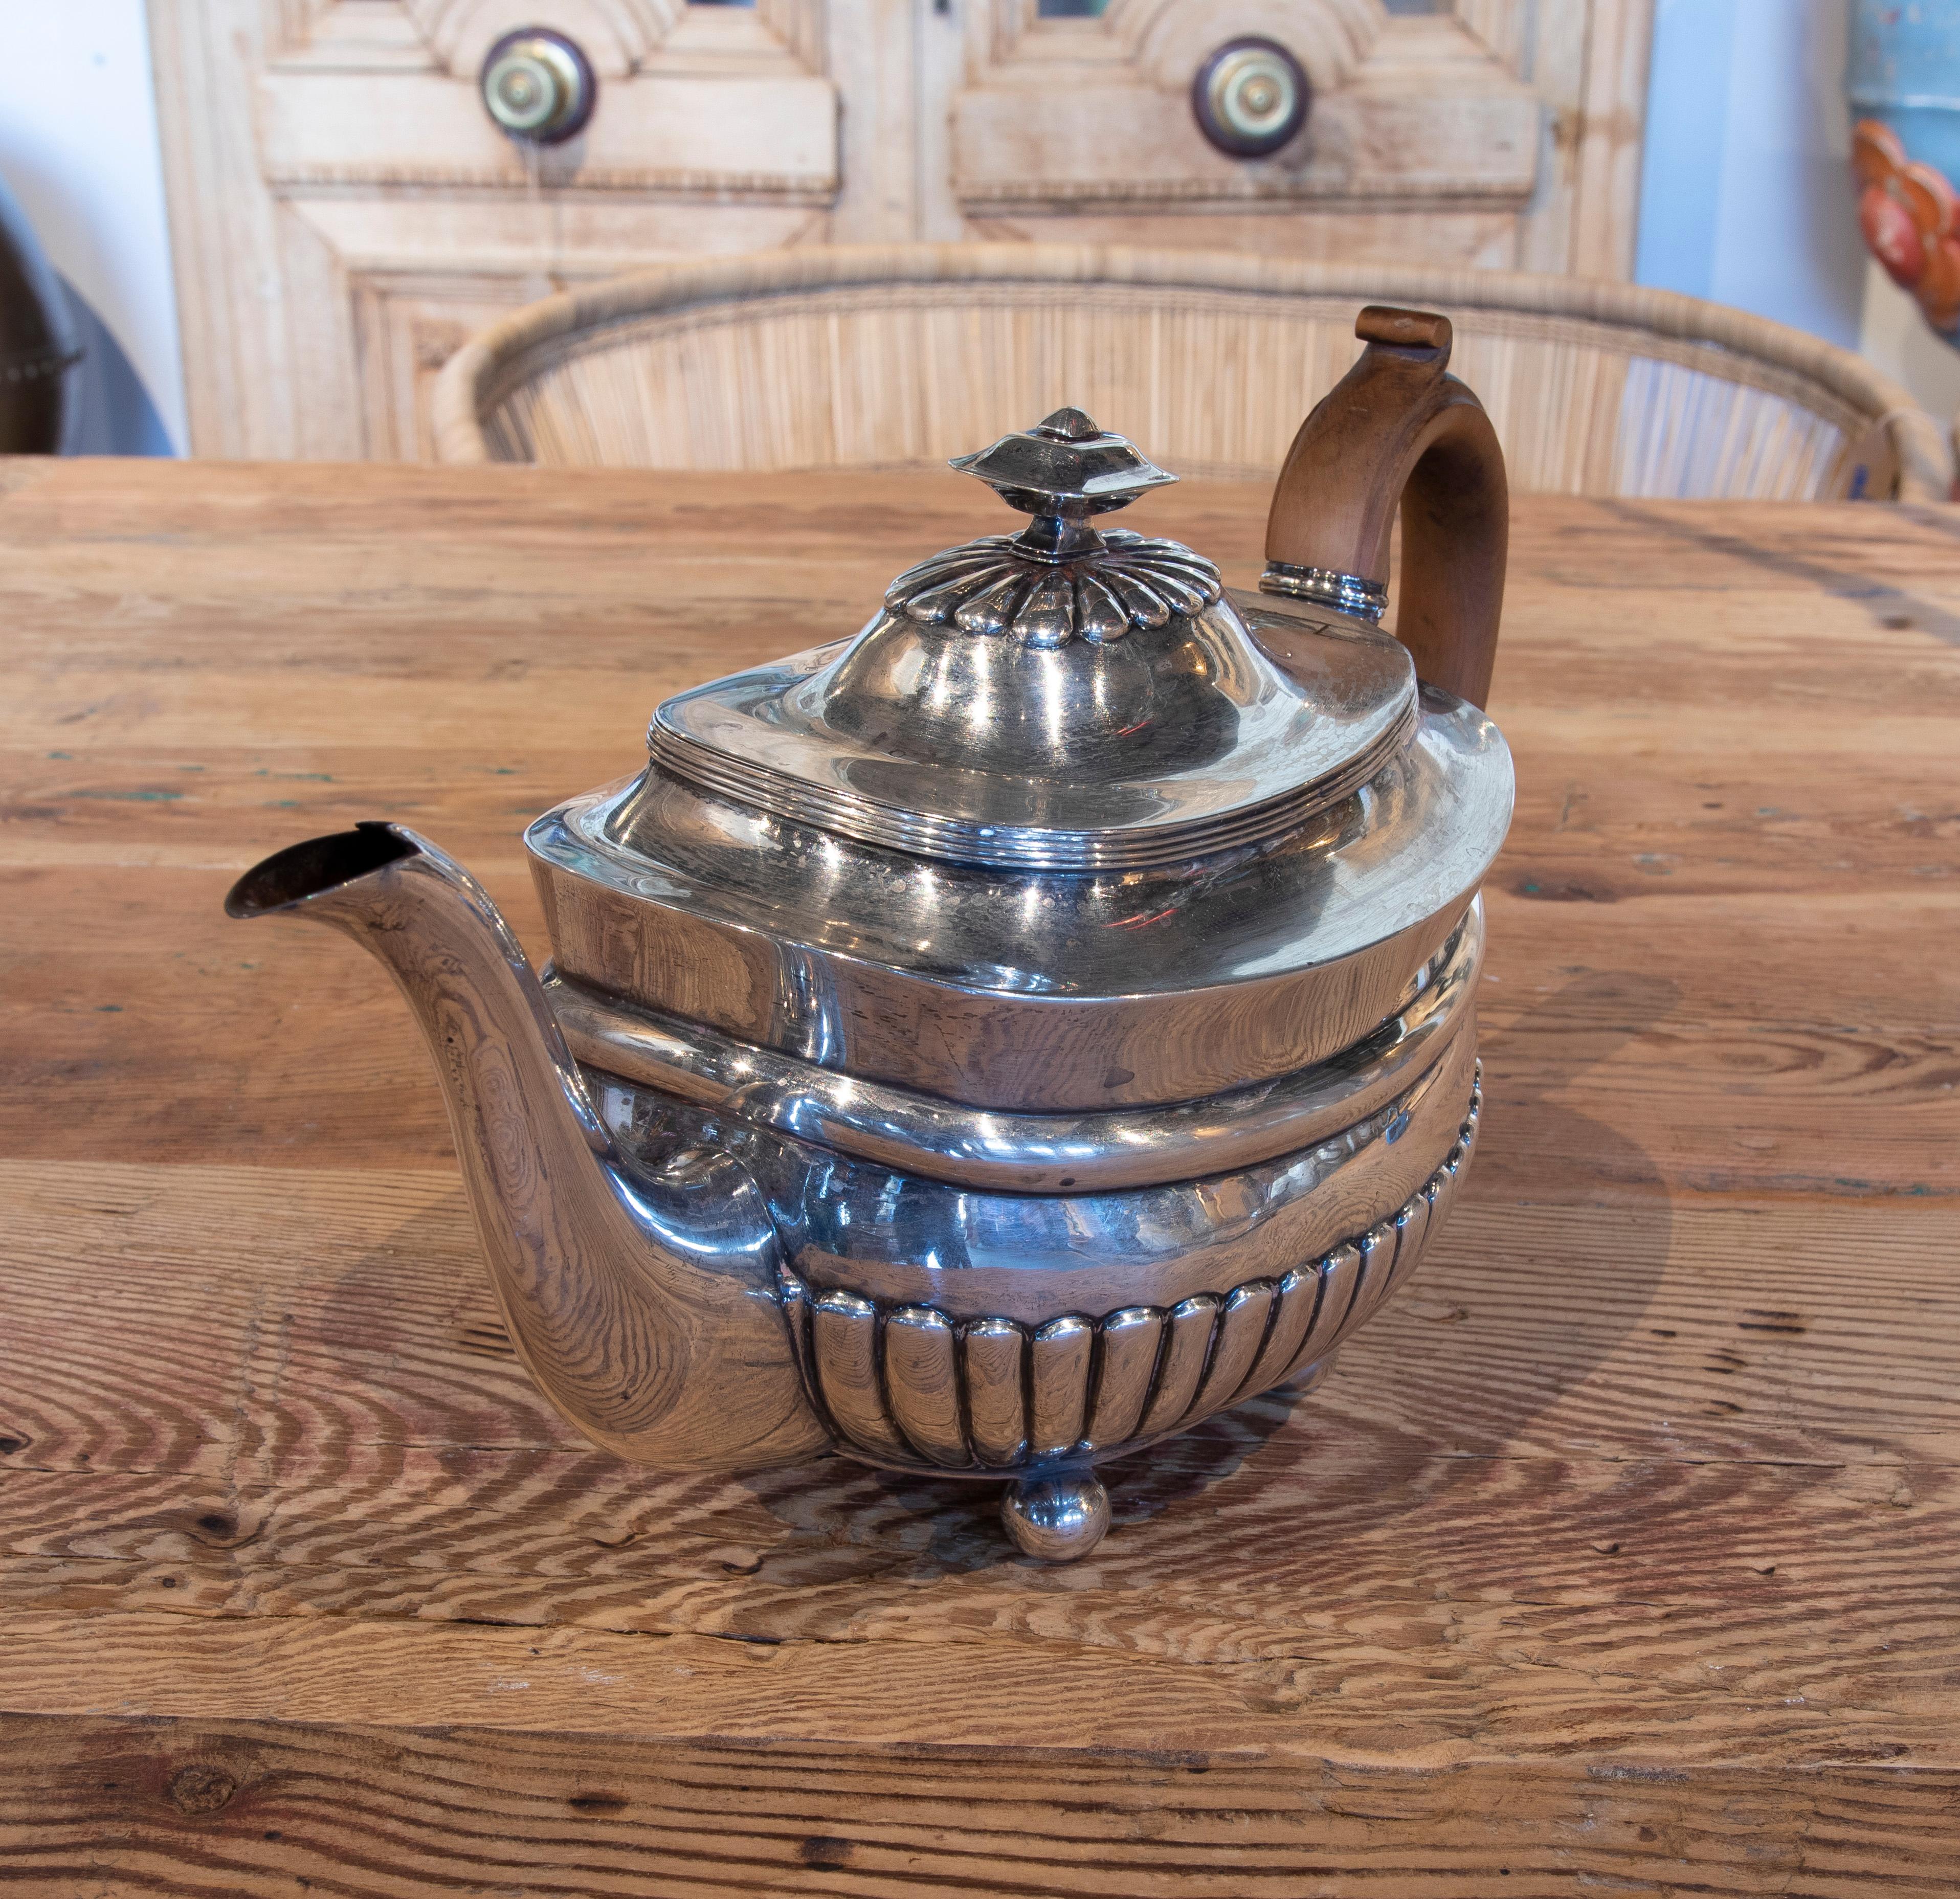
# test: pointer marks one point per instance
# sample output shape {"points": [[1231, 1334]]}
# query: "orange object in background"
{"points": [[1910, 214]]}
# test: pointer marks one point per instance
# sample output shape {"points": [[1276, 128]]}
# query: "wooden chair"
{"points": [[863, 358]]}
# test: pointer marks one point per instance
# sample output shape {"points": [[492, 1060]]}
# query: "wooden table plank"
{"points": [[1622, 1551]]}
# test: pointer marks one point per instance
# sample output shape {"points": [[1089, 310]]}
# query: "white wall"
{"points": [[78, 151], [1746, 196]]}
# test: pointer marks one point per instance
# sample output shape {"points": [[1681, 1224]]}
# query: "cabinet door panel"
{"points": [[1428, 120], [750, 135], [343, 209], [344, 212]]}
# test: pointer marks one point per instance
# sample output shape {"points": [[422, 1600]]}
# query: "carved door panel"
{"points": [[1503, 133], [344, 211]]}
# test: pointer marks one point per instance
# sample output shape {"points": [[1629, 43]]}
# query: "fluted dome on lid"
{"points": [[1060, 699]]}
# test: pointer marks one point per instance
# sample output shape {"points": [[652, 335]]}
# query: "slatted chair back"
{"points": [[842, 357]]}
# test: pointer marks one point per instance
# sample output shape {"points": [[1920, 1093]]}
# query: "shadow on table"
{"points": [[1406, 1403], [1398, 1406], [1403, 1408], [1584, 1024]]}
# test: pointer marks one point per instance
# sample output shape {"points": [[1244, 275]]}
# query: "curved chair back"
{"points": [[838, 356]]}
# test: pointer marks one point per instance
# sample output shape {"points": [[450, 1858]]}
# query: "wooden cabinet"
{"points": [[344, 212]]}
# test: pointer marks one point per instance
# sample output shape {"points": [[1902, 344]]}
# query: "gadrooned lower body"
{"points": [[912, 1387], [954, 1335]]}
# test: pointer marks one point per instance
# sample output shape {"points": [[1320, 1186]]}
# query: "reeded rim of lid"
{"points": [[1061, 699]]}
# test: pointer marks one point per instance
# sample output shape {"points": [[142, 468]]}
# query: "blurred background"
{"points": [[271, 222]]}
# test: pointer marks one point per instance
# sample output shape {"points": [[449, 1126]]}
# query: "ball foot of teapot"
{"points": [[991, 1044], [1057, 1515]]}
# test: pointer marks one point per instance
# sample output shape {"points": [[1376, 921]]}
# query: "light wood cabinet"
{"points": [[344, 212]]}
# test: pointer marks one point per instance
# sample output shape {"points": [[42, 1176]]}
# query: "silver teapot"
{"points": [[997, 1040]]}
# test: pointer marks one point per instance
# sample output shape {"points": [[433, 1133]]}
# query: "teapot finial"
{"points": [[1066, 425], [1058, 579], [1061, 471]]}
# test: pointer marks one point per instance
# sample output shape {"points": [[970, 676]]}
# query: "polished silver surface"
{"points": [[1058, 1517], [998, 585], [1350, 593], [891, 1379], [643, 1300], [1129, 719], [994, 1360], [1128, 1343], [1240, 1331], [1309, 1377], [926, 1135], [964, 982], [1179, 742], [898, 1240], [1059, 579], [1302, 1316], [1058, 1385], [1180, 1363], [1065, 468], [696, 1291], [923, 1380], [843, 1340], [1026, 1259], [982, 1047]]}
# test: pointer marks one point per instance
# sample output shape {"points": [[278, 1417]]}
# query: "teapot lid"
{"points": [[1063, 698]]}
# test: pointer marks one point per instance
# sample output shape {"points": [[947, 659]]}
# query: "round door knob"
{"points": [[1250, 96], [538, 86]]}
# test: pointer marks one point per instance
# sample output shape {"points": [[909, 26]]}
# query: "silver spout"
{"points": [[645, 1306]]}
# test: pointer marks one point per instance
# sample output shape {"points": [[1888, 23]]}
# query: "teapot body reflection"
{"points": [[1002, 1040]]}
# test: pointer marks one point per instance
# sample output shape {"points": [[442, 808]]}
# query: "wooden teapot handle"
{"points": [[1397, 427]]}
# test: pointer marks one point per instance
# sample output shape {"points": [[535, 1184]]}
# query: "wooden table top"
{"points": [[1625, 1550]]}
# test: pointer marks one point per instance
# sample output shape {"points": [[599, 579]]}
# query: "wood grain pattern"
{"points": [[810, 358], [1618, 1554], [344, 214], [1398, 439]]}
